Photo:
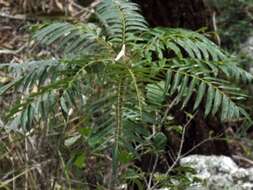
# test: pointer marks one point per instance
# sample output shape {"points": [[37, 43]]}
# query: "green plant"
{"points": [[234, 17], [114, 79]]}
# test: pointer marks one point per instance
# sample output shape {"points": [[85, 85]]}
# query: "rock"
{"points": [[218, 173], [1, 123], [247, 47]]}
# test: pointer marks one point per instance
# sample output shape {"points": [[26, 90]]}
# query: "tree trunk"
{"points": [[191, 14]]}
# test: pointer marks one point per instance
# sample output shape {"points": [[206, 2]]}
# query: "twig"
{"points": [[86, 11], [202, 142], [215, 28], [152, 173], [179, 151], [15, 17], [13, 52], [237, 157], [169, 106]]}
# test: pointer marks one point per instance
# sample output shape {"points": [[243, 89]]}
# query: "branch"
{"points": [[13, 52], [237, 157], [15, 17]]}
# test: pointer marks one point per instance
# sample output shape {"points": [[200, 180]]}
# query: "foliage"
{"points": [[234, 21], [234, 24], [113, 81]]}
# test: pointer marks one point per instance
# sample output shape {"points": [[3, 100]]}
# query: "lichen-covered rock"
{"points": [[218, 173], [247, 47]]}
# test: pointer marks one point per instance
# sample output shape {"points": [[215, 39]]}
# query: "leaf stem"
{"points": [[117, 134]]}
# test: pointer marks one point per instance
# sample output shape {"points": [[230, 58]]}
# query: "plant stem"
{"points": [[117, 135]]}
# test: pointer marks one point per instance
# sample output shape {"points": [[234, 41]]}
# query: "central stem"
{"points": [[117, 134]]}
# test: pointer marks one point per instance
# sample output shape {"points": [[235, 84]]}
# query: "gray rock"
{"points": [[1, 123], [247, 47], [218, 173]]}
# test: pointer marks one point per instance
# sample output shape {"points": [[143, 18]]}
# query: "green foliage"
{"points": [[184, 178], [234, 21], [117, 76], [205, 72]]}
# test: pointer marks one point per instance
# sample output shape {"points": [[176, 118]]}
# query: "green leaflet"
{"points": [[200, 94], [175, 84], [189, 92], [225, 108], [209, 100], [217, 102], [174, 48], [183, 88]]}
